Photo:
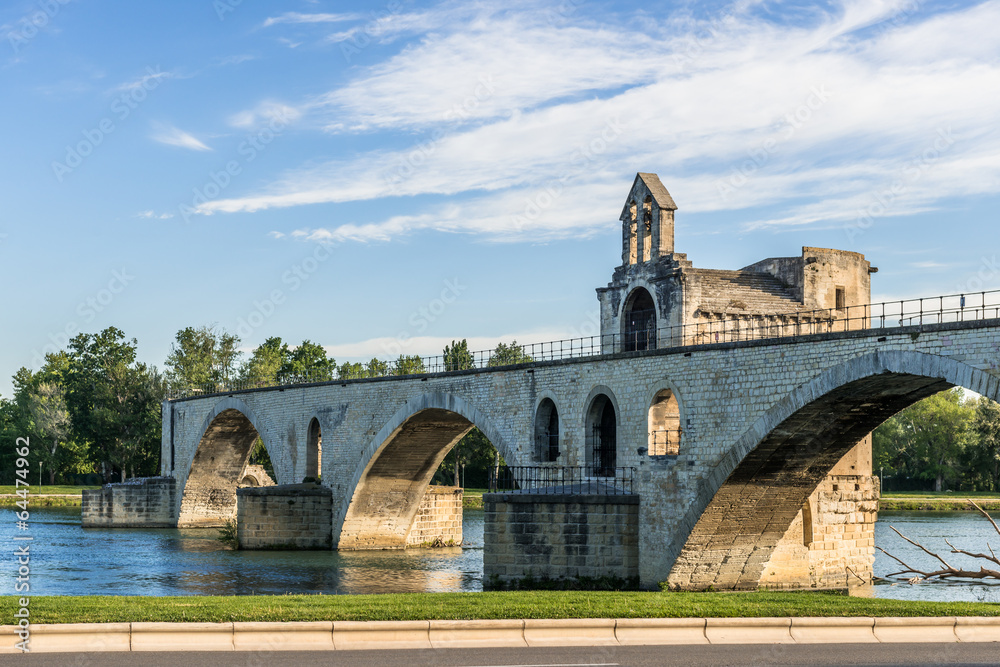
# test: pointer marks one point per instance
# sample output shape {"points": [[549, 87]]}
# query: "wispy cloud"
{"points": [[152, 215], [811, 120], [173, 136], [296, 17], [265, 112]]}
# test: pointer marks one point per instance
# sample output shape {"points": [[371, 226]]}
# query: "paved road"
{"points": [[638, 656]]}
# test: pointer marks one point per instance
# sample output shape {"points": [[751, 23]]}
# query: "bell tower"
{"points": [[647, 221]]}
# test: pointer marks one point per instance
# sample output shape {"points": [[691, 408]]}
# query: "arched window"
{"points": [[664, 425], [547, 431], [314, 449], [647, 228], [602, 436], [639, 322], [633, 242]]}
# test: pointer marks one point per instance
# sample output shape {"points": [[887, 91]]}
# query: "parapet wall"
{"points": [[439, 518], [147, 502], [290, 516], [547, 536]]}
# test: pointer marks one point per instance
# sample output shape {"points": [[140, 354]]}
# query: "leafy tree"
{"points": [[457, 356], [202, 357], [349, 371], [409, 365], [47, 406], [265, 363], [926, 440], [984, 454], [308, 362], [377, 368], [507, 355], [114, 402], [475, 457]]}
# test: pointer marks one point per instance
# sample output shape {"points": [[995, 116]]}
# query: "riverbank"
{"points": [[45, 496], [485, 606], [938, 502]]}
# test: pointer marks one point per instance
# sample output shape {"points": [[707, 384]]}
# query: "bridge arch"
{"points": [[227, 438], [748, 502], [397, 466]]}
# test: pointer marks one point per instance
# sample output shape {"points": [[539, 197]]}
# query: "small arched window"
{"points": [[314, 449], [547, 431], [664, 425]]}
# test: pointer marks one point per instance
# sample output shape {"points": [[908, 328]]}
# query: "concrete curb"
{"points": [[368, 635]]}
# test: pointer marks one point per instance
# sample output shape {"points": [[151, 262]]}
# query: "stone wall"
{"points": [[549, 536], [292, 516], [439, 518], [731, 397], [142, 503], [831, 542]]}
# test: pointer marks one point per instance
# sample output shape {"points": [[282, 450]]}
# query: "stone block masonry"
{"points": [[148, 502], [439, 518], [291, 516], [550, 536]]}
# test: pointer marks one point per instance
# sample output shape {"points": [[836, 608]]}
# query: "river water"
{"points": [[69, 560]]}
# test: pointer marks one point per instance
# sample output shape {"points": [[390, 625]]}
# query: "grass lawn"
{"points": [[41, 490], [948, 502], [457, 606]]}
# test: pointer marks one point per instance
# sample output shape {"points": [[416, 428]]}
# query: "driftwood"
{"points": [[947, 571]]}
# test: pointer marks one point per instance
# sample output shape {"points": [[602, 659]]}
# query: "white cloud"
{"points": [[296, 17], [152, 215], [172, 136], [265, 112], [735, 113]]}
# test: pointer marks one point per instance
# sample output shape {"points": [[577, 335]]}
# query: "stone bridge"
{"points": [[761, 426]]}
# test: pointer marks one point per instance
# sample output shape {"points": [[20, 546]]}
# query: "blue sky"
{"points": [[382, 177]]}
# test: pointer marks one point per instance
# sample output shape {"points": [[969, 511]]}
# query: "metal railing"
{"points": [[563, 480], [711, 328], [664, 442]]}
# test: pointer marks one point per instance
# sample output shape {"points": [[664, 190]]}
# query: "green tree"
{"points": [[474, 456], [202, 357], [265, 363], [508, 355], [984, 446], [409, 365], [349, 371], [47, 406], [457, 356], [114, 403], [926, 440], [376, 368], [308, 363]]}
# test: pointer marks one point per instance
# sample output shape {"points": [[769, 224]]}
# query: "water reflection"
{"points": [[70, 560], [966, 530]]}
